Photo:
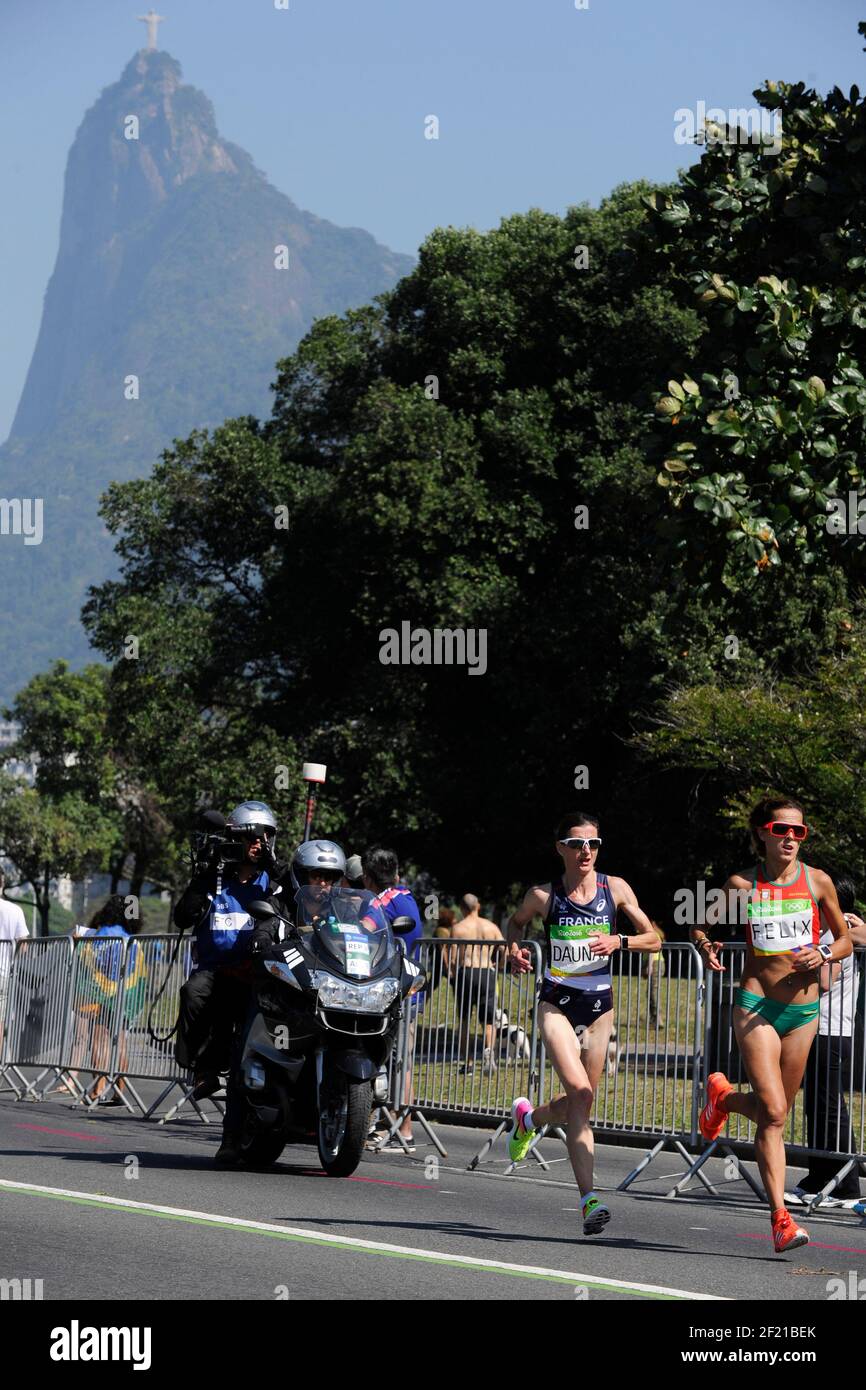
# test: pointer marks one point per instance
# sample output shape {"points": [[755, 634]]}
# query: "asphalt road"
{"points": [[178, 1228]]}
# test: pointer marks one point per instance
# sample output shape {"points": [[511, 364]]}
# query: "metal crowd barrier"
{"points": [[148, 979], [828, 1117], [81, 1007], [402, 1101], [647, 1087], [8, 1079], [466, 1047], [475, 1044], [37, 1013]]}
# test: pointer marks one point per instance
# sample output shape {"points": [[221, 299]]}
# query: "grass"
{"points": [[650, 1091]]}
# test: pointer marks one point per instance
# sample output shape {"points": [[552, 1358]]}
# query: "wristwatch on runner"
{"points": [[826, 952]]}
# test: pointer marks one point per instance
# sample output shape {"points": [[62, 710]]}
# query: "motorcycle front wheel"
{"points": [[344, 1118]]}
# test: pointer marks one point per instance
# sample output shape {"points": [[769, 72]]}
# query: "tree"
{"points": [[430, 452], [46, 839], [803, 737], [765, 424], [477, 450], [65, 725]]}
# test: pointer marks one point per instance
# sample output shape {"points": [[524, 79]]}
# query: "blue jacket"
{"points": [[222, 936], [398, 902]]}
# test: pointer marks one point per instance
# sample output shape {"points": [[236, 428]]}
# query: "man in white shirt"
{"points": [[829, 1076], [12, 928]]}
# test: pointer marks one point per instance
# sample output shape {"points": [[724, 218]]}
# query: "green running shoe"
{"points": [[595, 1216], [519, 1138]]}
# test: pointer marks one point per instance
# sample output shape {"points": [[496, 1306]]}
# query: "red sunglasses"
{"points": [[781, 828]]}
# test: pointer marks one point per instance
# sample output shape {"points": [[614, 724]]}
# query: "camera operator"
{"points": [[238, 867]]}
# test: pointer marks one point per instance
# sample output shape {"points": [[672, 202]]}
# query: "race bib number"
{"points": [[574, 957], [775, 931]]}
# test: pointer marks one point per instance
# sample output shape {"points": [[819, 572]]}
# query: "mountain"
{"points": [[165, 273]]}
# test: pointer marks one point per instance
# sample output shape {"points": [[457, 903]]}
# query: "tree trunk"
{"points": [[137, 879], [43, 901], [115, 868]]}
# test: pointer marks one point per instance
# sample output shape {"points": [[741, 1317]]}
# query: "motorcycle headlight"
{"points": [[375, 998]]}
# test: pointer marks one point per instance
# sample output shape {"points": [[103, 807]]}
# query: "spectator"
{"points": [[441, 932], [829, 1069], [354, 875], [447, 918], [12, 928], [394, 900], [103, 973], [653, 964], [472, 969]]}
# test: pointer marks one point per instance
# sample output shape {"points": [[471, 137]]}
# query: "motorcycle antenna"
{"points": [[314, 776]]}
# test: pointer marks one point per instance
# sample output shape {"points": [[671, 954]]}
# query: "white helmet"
{"points": [[323, 855], [252, 816]]}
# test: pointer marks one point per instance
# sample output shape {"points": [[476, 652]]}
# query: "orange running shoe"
{"points": [[712, 1120], [787, 1235]]}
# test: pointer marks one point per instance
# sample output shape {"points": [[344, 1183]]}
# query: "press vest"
{"points": [[220, 938]]}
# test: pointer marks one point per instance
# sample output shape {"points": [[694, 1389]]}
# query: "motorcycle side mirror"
{"points": [[260, 909]]}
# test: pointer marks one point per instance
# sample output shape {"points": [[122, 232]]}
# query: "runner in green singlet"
{"points": [[776, 1006]]}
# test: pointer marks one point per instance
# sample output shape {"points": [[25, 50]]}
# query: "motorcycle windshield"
{"points": [[351, 932]]}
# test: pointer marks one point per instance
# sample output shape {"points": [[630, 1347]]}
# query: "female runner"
{"points": [[776, 1007]]}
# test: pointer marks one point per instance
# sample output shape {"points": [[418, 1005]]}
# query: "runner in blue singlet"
{"points": [[576, 1007]]}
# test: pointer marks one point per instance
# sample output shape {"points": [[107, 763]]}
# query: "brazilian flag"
{"points": [[102, 976]]}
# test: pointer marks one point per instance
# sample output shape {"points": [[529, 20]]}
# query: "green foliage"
{"points": [[766, 421], [46, 838], [65, 720], [443, 508], [62, 719], [801, 736]]}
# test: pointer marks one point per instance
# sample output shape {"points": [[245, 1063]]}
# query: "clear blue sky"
{"points": [[540, 104]]}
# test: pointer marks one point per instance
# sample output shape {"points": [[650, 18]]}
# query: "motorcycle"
{"points": [[328, 997]]}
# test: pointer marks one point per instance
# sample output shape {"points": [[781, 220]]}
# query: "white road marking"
{"points": [[354, 1243]]}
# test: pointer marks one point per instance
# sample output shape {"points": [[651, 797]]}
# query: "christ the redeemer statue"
{"points": [[152, 20]]}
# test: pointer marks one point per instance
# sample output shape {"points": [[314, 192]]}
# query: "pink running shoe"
{"points": [[519, 1137]]}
